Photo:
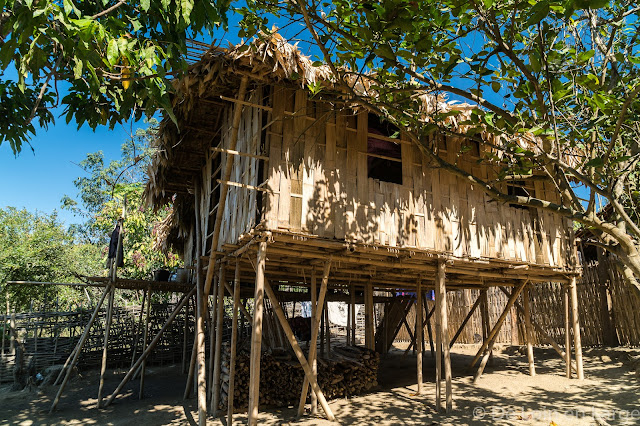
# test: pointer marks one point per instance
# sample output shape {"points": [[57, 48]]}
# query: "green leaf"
{"points": [[595, 162], [145, 4], [77, 68], [537, 13], [112, 51], [495, 85]]}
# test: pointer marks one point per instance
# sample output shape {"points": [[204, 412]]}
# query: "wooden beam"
{"points": [[237, 115], [256, 336], [150, 348], [242, 154], [488, 344], [315, 326], [73, 357], [296, 348]]}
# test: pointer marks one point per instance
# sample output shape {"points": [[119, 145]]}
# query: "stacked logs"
{"points": [[349, 371]]}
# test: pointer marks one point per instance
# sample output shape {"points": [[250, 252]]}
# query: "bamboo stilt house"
{"points": [[257, 166]]}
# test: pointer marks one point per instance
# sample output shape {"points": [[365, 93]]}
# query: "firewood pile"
{"points": [[349, 371]]}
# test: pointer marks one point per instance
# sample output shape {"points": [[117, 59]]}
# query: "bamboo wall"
{"points": [[547, 309], [317, 183], [49, 337]]}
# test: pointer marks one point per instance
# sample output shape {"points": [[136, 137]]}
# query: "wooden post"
{"points": [[313, 358], [486, 319], [215, 401], [136, 337], [322, 331], [354, 326], [201, 300], [73, 357], [577, 343], [296, 349], [256, 336], [212, 332], [150, 348], [488, 344], [234, 343], [313, 344], [185, 339], [4, 323], [429, 332], [567, 331], [441, 301], [419, 332], [369, 320], [145, 338], [528, 330], [192, 363], [438, 348], [224, 187], [107, 327], [328, 332], [12, 341]]}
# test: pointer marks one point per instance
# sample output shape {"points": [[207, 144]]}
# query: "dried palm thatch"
{"points": [[199, 99]]}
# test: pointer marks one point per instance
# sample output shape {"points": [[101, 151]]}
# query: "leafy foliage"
{"points": [[37, 247], [116, 58]]}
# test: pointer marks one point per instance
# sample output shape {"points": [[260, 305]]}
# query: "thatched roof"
{"points": [[197, 104]]}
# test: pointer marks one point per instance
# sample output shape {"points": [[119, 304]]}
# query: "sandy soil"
{"points": [[505, 395]]}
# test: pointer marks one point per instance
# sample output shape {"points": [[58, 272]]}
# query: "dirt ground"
{"points": [[505, 395]]}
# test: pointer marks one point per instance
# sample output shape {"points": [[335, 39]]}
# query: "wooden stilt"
{"points": [[234, 343], [105, 346], [145, 338], [488, 344], [354, 326], [322, 331], [150, 348], [73, 357], [567, 331], [419, 338], [256, 336], [313, 358], [438, 350], [201, 300], [185, 338], [328, 332], [136, 338], [4, 323], [192, 365], [528, 330], [577, 343], [464, 322], [296, 349], [215, 400], [212, 332], [486, 322], [441, 300], [543, 333], [313, 344], [369, 320], [349, 325], [429, 332]]}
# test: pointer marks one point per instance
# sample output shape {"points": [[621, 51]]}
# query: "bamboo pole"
{"points": [[150, 348], [567, 331], [215, 400], [201, 300], [441, 298], [192, 364], [528, 330], [145, 338], [73, 357], [464, 322], [419, 333], [136, 337], [296, 348], [438, 350], [107, 327], [312, 358], [256, 336], [234, 343], [328, 332], [488, 344], [486, 320], [369, 321], [184, 340], [224, 187], [429, 332], [212, 333], [577, 344], [315, 326], [4, 323], [354, 325]]}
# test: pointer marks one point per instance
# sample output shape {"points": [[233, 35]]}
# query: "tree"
{"points": [[102, 193], [115, 58], [36, 247], [558, 81]]}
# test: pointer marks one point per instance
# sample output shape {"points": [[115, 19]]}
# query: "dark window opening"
{"points": [[384, 156], [518, 188], [472, 147]]}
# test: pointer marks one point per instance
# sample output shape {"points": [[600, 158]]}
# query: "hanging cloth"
{"points": [[113, 247]]}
